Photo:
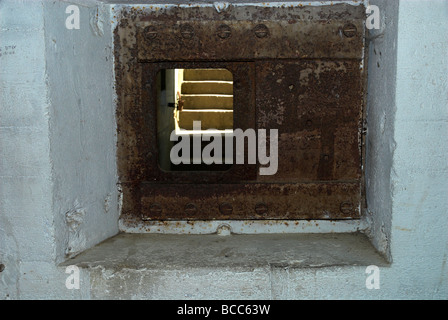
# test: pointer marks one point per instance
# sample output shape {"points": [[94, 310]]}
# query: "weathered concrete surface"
{"points": [[144, 266], [136, 251], [58, 192], [82, 120]]}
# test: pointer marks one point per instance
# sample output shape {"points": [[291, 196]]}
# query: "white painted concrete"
{"points": [[58, 175], [26, 221], [381, 108], [58, 192], [249, 226], [79, 65]]}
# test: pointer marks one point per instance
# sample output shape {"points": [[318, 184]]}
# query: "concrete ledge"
{"points": [[174, 252]]}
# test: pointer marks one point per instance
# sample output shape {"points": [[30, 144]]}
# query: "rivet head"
{"points": [[191, 209], [261, 209], [150, 32], [187, 31], [226, 208], [237, 84], [346, 207], [224, 31], [261, 31], [350, 30], [155, 209]]}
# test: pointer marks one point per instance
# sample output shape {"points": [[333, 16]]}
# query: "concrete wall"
{"points": [[419, 184], [381, 108], [58, 191], [79, 65], [57, 162]]}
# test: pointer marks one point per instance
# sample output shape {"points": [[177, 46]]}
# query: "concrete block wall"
{"points": [[58, 193], [419, 237]]}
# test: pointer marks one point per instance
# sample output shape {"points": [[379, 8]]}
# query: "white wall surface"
{"points": [[58, 174], [419, 178], [57, 131], [381, 108], [27, 244], [79, 64]]}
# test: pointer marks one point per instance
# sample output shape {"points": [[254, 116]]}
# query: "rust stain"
{"points": [[287, 201]]}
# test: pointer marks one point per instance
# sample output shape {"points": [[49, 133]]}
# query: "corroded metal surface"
{"points": [[316, 106], [296, 69], [249, 201], [199, 40]]}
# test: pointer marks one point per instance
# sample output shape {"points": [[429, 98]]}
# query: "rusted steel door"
{"points": [[295, 69]]}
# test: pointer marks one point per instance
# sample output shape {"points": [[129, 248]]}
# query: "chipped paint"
{"points": [[246, 227]]}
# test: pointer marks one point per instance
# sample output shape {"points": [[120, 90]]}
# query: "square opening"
{"points": [[194, 115]]}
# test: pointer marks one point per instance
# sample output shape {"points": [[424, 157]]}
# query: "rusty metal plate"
{"points": [[297, 69], [316, 107], [249, 201], [247, 39]]}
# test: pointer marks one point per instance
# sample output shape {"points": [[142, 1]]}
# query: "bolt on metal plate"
{"points": [[224, 31]]}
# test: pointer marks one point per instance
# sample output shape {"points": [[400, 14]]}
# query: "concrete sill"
{"points": [[164, 252]]}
